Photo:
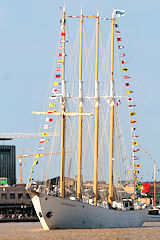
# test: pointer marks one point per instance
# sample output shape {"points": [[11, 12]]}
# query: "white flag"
{"points": [[119, 13], [40, 148], [46, 126]]}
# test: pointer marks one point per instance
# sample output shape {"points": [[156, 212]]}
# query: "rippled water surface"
{"points": [[29, 231]]}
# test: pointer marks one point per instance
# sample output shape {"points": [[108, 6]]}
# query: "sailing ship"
{"points": [[60, 203]]}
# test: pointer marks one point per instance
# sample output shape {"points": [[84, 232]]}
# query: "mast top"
{"points": [[97, 9], [81, 9], [64, 6]]}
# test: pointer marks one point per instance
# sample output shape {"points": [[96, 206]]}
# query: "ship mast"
{"points": [[80, 111], [154, 184], [110, 197], [63, 102], [96, 113]]}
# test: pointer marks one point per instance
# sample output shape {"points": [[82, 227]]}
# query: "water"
{"points": [[33, 231]]}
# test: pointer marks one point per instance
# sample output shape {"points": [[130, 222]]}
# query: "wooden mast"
{"points": [[96, 114], [110, 197], [80, 111], [63, 109], [154, 183]]}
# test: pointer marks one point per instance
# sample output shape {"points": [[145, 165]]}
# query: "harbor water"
{"points": [[33, 231]]}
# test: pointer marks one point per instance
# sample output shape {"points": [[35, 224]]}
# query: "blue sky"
{"points": [[29, 33]]}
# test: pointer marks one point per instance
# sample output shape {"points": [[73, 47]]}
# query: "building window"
{"points": [[12, 195], [126, 204], [27, 196], [3, 195], [20, 196]]}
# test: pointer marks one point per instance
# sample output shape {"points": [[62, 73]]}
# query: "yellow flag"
{"points": [[51, 111], [37, 156], [133, 121], [134, 143], [56, 83], [137, 165], [52, 105], [125, 69], [136, 172], [30, 178], [45, 134], [31, 170], [41, 154], [136, 178], [129, 91], [132, 113], [35, 162]]}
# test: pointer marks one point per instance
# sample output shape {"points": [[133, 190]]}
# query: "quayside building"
{"points": [[8, 163], [15, 202]]}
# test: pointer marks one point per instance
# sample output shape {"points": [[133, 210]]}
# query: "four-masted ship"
{"points": [[65, 202]]}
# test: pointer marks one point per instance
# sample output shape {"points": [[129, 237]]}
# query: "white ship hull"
{"points": [[54, 212]]}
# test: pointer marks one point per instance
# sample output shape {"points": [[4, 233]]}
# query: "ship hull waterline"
{"points": [[55, 212]]}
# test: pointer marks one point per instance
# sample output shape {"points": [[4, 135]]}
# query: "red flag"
{"points": [[58, 76], [119, 102], [145, 187], [49, 119], [119, 39], [58, 69], [136, 150], [123, 61], [117, 31], [62, 34], [126, 77], [122, 54], [60, 55], [130, 99], [55, 90], [127, 84]]}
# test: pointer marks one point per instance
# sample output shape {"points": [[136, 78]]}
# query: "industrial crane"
{"points": [[29, 155], [10, 136]]}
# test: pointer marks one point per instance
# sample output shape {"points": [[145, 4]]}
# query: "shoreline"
{"points": [[8, 220]]}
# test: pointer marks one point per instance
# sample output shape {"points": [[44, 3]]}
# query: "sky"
{"points": [[29, 32]]}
